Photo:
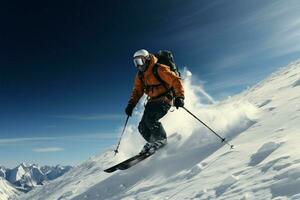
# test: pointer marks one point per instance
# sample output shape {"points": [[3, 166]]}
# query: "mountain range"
{"points": [[25, 177]]}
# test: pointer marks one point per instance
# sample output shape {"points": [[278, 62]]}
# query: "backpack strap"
{"points": [[155, 73], [145, 86], [169, 91]]}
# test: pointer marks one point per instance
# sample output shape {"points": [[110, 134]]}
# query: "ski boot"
{"points": [[151, 147]]}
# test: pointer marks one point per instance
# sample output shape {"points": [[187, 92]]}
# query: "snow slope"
{"points": [[263, 123], [6, 190]]}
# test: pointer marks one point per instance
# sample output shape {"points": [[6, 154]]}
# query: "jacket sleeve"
{"points": [[137, 91], [171, 79]]}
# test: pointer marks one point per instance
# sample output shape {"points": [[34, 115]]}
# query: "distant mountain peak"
{"points": [[25, 176]]}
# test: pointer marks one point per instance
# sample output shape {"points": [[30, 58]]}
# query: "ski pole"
{"points": [[222, 139], [116, 151]]}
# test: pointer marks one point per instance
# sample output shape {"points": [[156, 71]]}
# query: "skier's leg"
{"points": [[143, 129], [154, 112], [150, 127]]}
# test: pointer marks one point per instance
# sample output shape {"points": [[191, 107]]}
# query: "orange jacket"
{"points": [[168, 76]]}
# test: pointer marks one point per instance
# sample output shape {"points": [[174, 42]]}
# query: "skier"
{"points": [[161, 95]]}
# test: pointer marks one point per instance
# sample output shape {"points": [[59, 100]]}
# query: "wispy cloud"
{"points": [[246, 79], [47, 149], [92, 117], [81, 137], [4, 141], [229, 61], [268, 31], [229, 83], [280, 19], [275, 32], [286, 40], [271, 31]]}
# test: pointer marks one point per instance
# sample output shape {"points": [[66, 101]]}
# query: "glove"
{"points": [[179, 102], [129, 109]]}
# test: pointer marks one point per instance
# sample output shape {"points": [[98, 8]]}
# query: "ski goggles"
{"points": [[139, 61]]}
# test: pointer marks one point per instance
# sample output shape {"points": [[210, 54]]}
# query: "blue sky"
{"points": [[66, 70]]}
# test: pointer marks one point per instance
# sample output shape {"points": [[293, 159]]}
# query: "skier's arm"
{"points": [[171, 79], [137, 91]]}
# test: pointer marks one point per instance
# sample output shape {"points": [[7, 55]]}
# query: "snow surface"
{"points": [[7, 191], [262, 122]]}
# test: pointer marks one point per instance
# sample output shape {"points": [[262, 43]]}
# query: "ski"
{"points": [[129, 162]]}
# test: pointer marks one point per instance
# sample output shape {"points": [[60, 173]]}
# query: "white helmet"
{"points": [[140, 59], [141, 52]]}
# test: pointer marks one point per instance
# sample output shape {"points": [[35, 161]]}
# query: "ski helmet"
{"points": [[141, 58]]}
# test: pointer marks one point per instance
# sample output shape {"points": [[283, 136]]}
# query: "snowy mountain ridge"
{"points": [[262, 122], [25, 177]]}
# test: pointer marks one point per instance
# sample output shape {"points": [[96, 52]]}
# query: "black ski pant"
{"points": [[150, 127]]}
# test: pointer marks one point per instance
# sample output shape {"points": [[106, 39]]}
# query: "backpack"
{"points": [[164, 57]]}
